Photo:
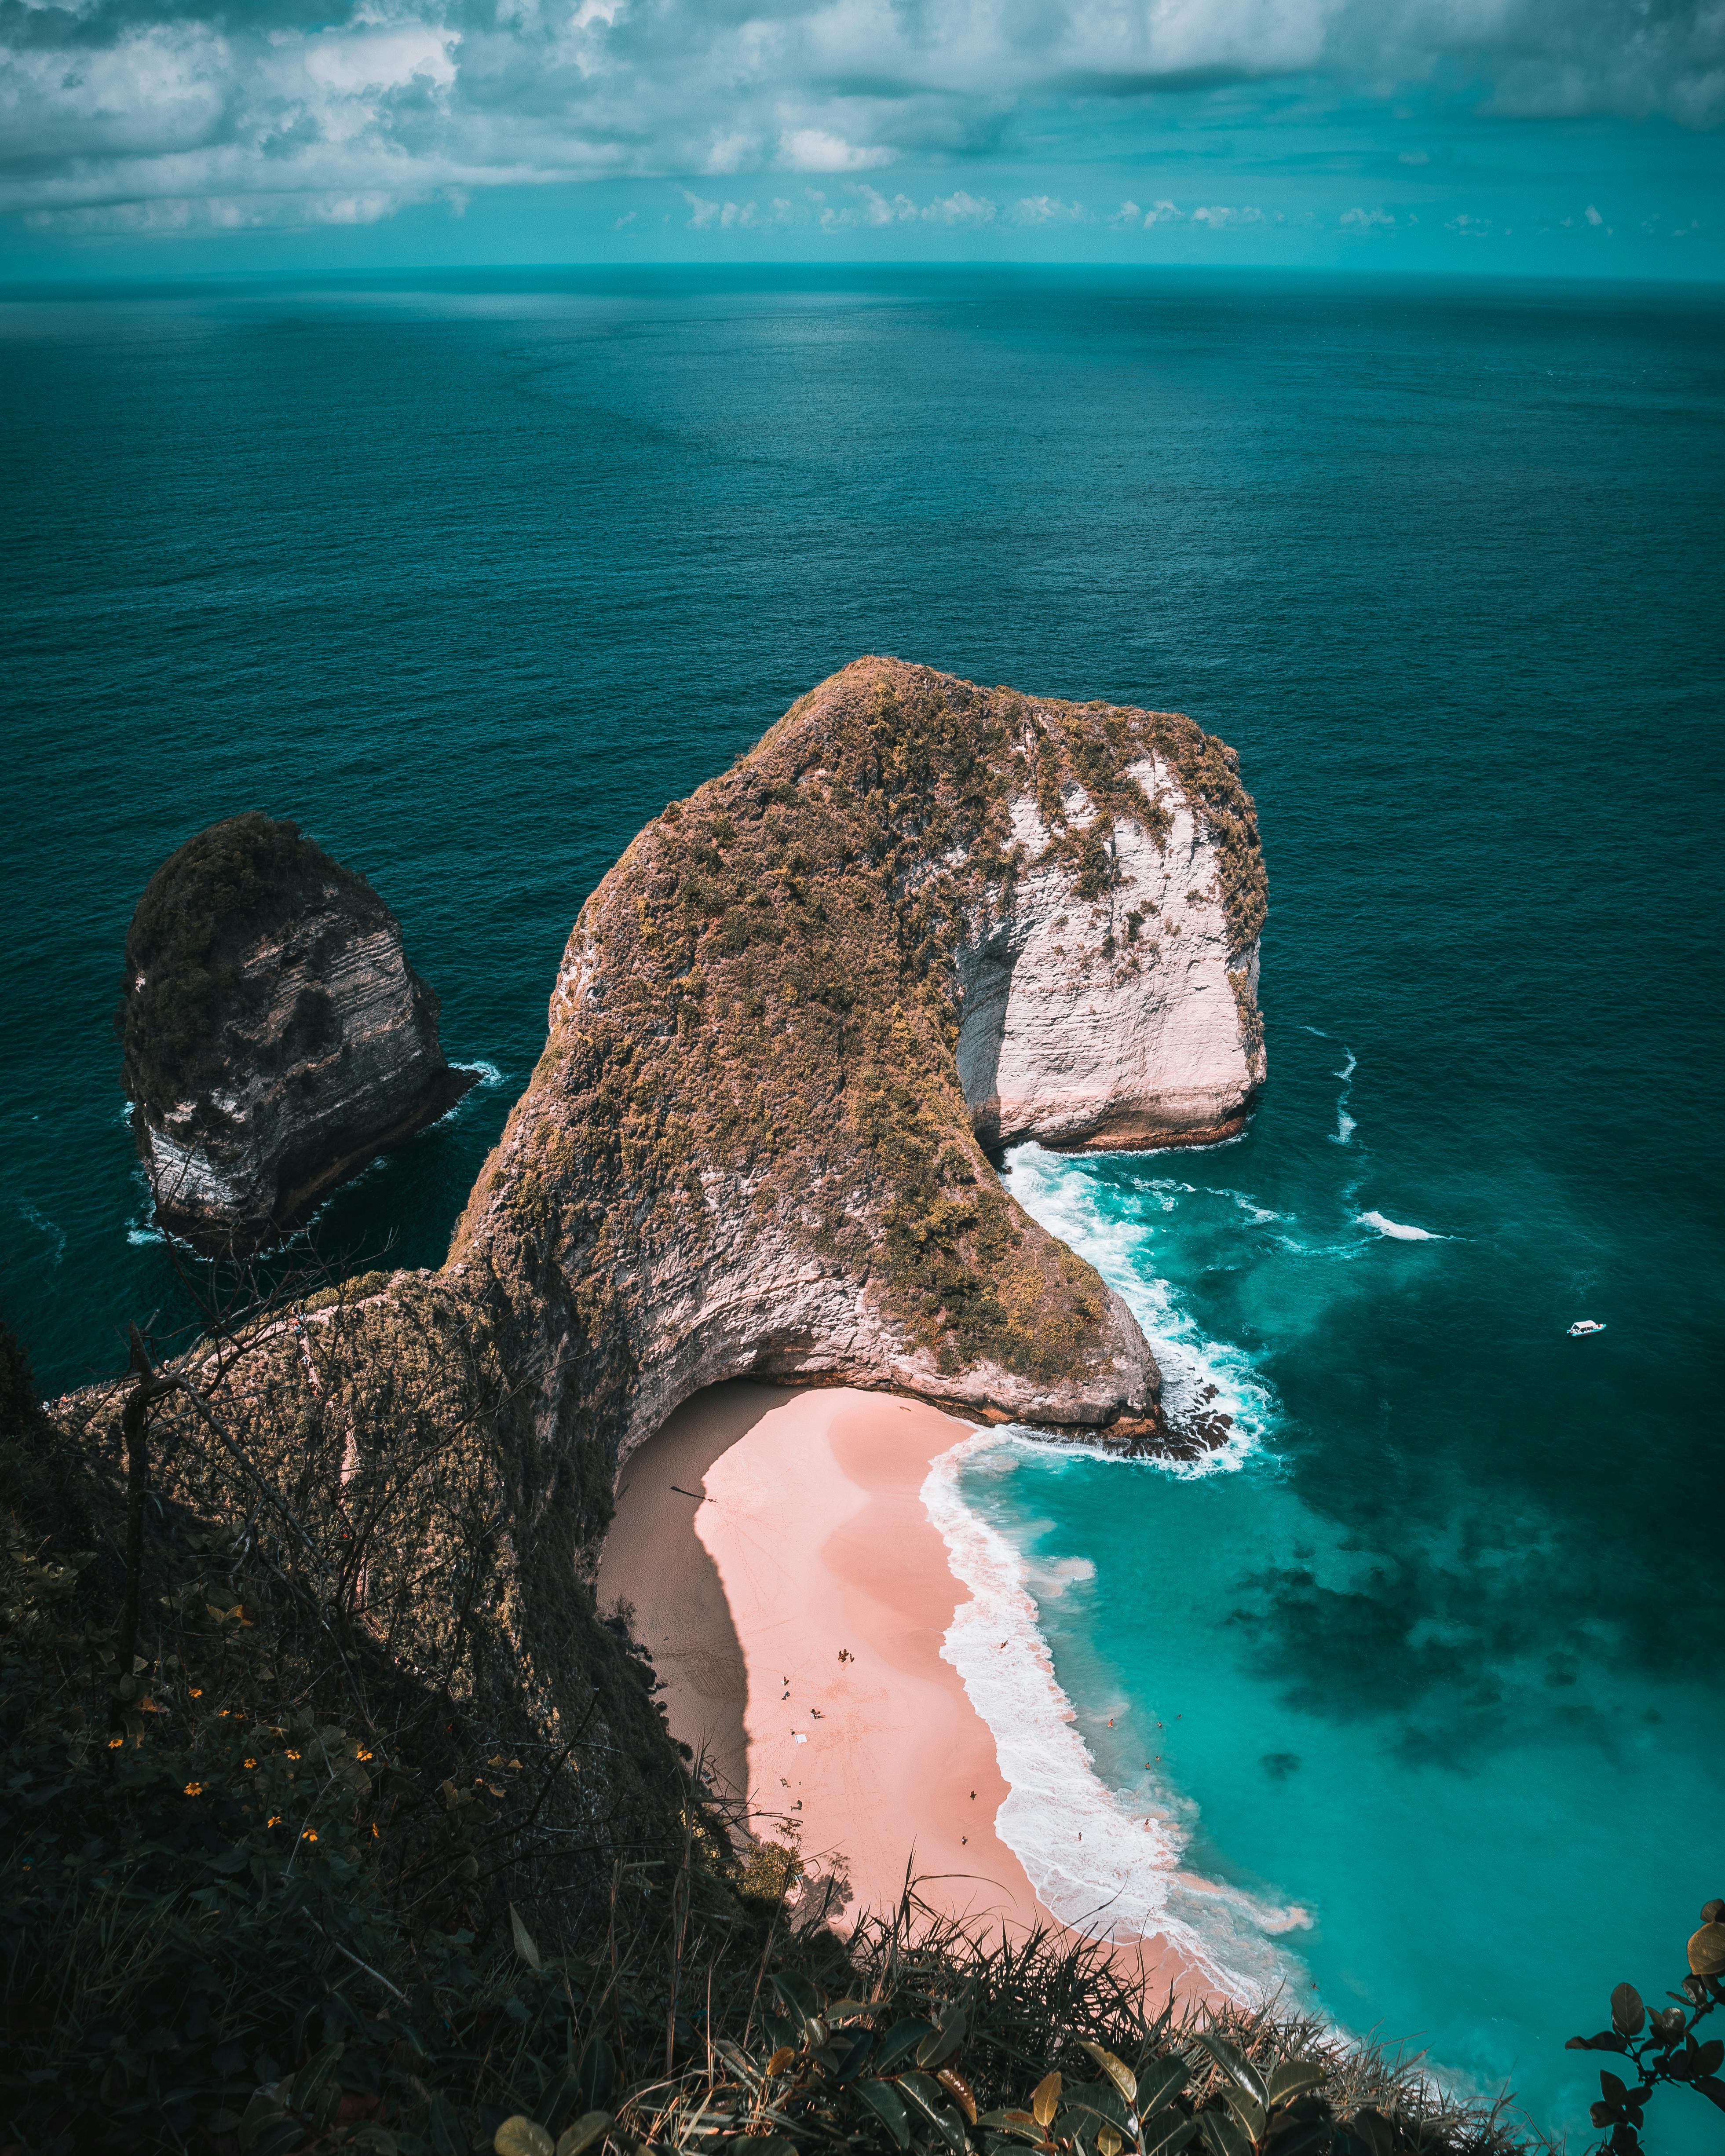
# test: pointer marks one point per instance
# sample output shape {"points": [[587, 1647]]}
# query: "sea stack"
{"points": [[919, 921], [275, 1037]]}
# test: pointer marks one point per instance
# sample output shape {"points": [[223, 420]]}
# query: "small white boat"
{"points": [[1585, 1325]]}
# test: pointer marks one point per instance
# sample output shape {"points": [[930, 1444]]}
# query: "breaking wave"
{"points": [[1397, 1230], [1203, 1380], [1098, 1862]]}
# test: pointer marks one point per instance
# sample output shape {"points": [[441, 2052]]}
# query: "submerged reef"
{"points": [[274, 1036]]}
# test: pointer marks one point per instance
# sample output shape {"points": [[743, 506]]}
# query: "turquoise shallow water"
{"points": [[471, 576]]}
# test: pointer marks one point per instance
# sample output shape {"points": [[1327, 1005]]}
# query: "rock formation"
{"points": [[919, 920], [275, 1037]]}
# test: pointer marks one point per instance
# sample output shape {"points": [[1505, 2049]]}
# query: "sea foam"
{"points": [[1201, 1378], [1097, 1862], [1397, 1230], [1345, 1124]]}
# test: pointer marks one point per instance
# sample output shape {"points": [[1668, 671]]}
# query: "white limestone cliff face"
{"points": [[1121, 1022]]}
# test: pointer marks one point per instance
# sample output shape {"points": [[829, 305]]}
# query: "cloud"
{"points": [[1220, 218], [1127, 213], [170, 114], [814, 150], [1592, 215], [1366, 220], [1162, 213], [961, 208], [1048, 209]]}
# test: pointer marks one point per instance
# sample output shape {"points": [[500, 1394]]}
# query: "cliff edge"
{"points": [[921, 919], [275, 1038]]}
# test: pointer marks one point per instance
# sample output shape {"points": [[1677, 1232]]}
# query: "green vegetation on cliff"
{"points": [[283, 1885], [766, 990]]}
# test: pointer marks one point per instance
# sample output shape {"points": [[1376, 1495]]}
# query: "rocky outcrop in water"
{"points": [[919, 920], [275, 1037]]}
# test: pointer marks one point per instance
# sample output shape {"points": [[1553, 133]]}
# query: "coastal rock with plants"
{"points": [[275, 1037], [919, 919]]}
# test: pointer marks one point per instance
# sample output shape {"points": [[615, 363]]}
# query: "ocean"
{"points": [[1414, 1695]]}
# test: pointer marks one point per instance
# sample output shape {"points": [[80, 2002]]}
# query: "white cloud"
{"points": [[1163, 213], [1366, 220], [272, 113], [961, 208], [1219, 219], [1049, 209], [814, 150], [1127, 213], [1592, 215]]}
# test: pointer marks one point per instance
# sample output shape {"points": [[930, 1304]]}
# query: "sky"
{"points": [[1563, 137]]}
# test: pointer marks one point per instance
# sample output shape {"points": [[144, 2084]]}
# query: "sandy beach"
{"points": [[794, 1595]]}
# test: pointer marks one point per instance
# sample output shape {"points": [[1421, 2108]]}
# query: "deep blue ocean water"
{"points": [[470, 576]]}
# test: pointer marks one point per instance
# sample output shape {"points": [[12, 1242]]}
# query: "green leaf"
{"points": [[273, 2136], [1375, 2130], [935, 2050], [1294, 2140], [449, 2137], [1018, 2123], [584, 2133], [1250, 2113], [902, 2039], [262, 2114], [312, 2076], [1116, 2070], [849, 2058], [1628, 2016], [1159, 2082], [1224, 2134], [1711, 2058], [1239, 2069], [884, 2100], [1099, 2100], [1293, 2077], [797, 1993], [521, 2136], [925, 2092], [595, 2075], [524, 1944], [1167, 2131]]}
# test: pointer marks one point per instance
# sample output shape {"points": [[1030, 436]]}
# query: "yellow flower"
{"points": [[274, 1820], [293, 1755], [116, 1743], [364, 1755], [196, 1692], [308, 1835], [251, 1762], [194, 1789]]}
